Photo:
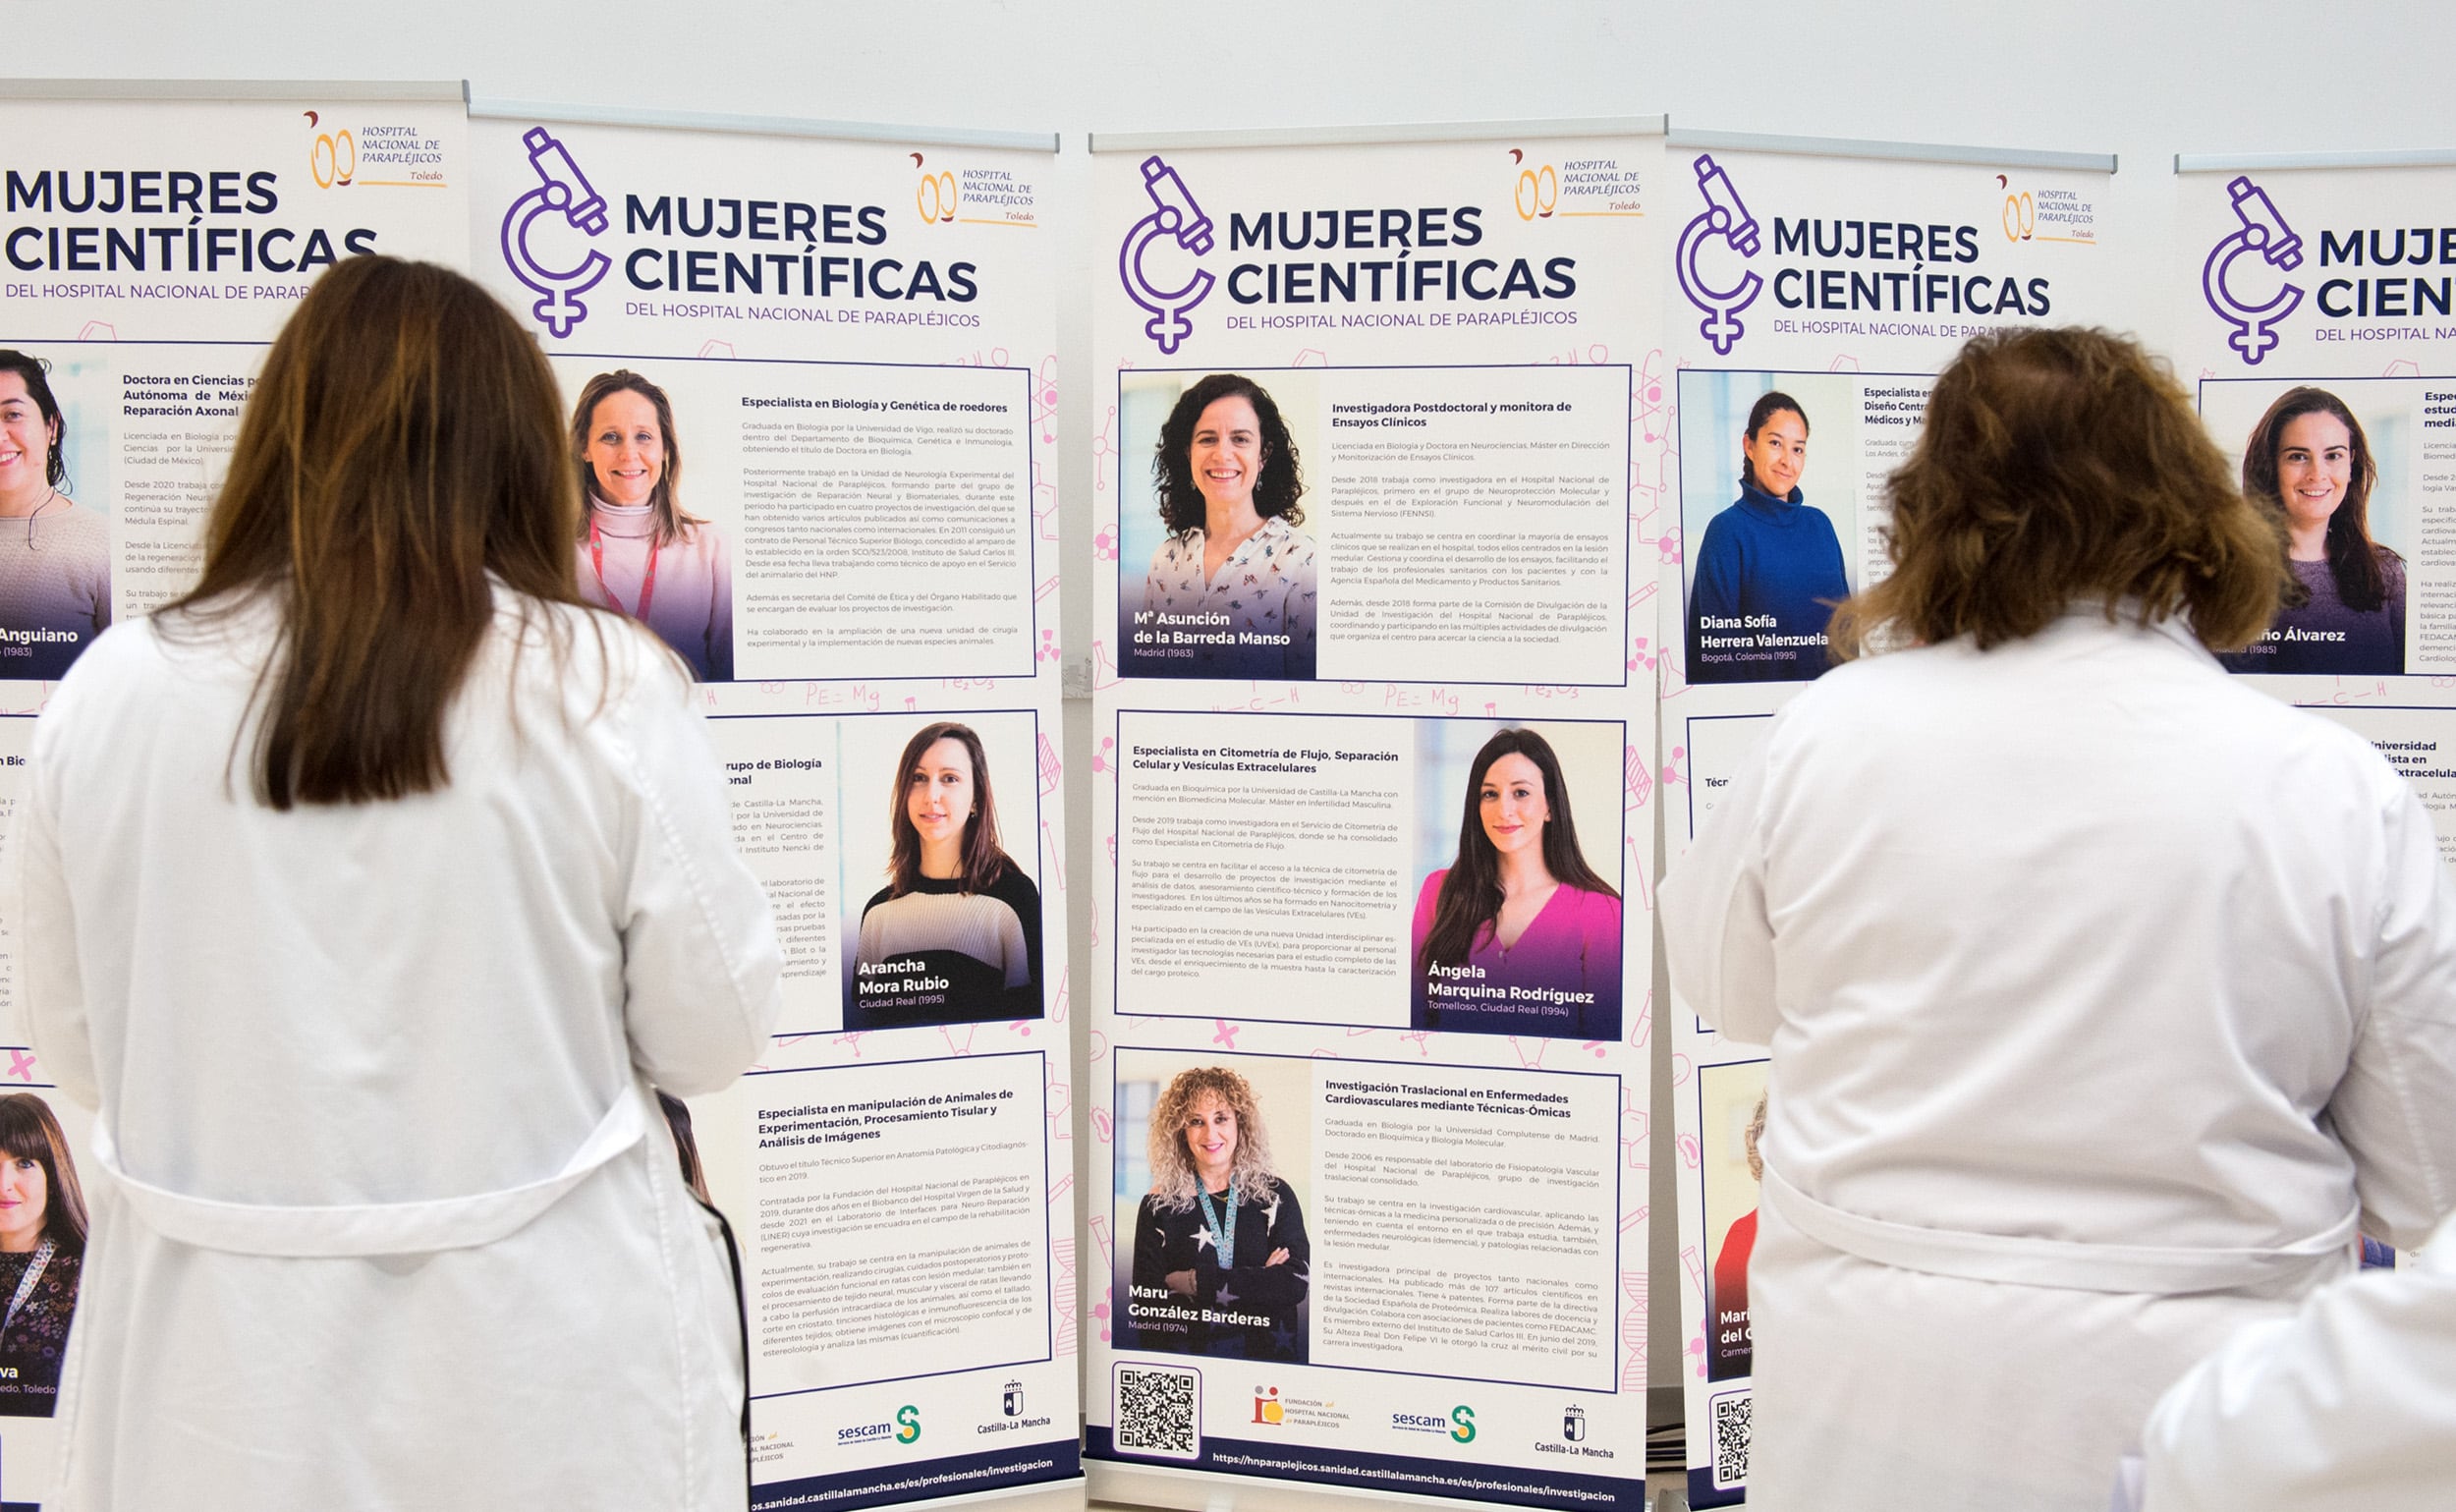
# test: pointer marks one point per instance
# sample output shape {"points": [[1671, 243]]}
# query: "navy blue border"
{"points": [[996, 1470], [1628, 530], [1404, 1475], [1117, 901], [1048, 1315], [1038, 823], [1032, 533], [1620, 1302]]}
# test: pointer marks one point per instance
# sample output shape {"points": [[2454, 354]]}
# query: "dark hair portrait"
{"points": [[37, 376], [983, 859], [29, 1131], [1276, 491], [1471, 894], [2355, 560], [2060, 464], [1769, 404]]}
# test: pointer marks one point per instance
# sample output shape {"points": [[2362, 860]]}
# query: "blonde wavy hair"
{"points": [[1173, 1178]]}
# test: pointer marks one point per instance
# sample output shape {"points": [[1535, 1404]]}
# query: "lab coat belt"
{"points": [[370, 1228], [2156, 1269]]}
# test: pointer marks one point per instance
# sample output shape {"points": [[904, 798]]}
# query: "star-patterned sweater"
{"points": [[1247, 1310]]}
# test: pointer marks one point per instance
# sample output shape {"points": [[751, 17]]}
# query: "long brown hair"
{"points": [[2356, 562], [29, 1131], [983, 860], [2060, 464], [673, 524], [404, 443], [1469, 901]]}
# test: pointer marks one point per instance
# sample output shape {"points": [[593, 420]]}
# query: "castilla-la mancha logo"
{"points": [[1726, 220], [561, 189], [2260, 230], [1174, 216]]}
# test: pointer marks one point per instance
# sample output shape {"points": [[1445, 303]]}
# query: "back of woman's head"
{"points": [[2061, 465], [404, 441]]}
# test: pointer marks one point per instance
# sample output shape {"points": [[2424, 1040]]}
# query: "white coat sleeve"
{"points": [[1718, 944], [2392, 1109], [2349, 1404], [701, 970], [48, 1007]]}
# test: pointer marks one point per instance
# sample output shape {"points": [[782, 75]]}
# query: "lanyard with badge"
{"points": [[26, 1287], [596, 561]]}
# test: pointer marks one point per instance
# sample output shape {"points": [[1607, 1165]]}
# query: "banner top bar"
{"points": [[229, 90], [760, 125], [1895, 152], [2242, 162], [1377, 136]]}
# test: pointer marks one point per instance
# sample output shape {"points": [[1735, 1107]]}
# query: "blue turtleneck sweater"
{"points": [[1768, 574]]}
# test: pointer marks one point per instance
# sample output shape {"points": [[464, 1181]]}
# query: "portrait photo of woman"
{"points": [[1231, 589], [1730, 1342], [42, 1251], [1222, 1264], [954, 938], [2309, 462], [1769, 569], [55, 557], [642, 554], [1518, 935]]}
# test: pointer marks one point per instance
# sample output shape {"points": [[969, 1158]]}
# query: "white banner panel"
{"points": [[1373, 690], [153, 245], [1815, 290], [153, 248], [852, 343], [2322, 346]]}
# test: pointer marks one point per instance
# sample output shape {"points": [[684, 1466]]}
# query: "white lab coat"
{"points": [[2350, 1406], [342, 1055], [2104, 992]]}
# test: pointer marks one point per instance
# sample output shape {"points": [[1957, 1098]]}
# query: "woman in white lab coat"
{"points": [[2105, 996], [2349, 1406], [360, 893]]}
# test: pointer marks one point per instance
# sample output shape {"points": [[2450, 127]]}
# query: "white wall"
{"points": [[2141, 78]]}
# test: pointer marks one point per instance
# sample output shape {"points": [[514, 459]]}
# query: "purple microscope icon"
{"points": [[561, 189], [2258, 229], [1175, 215], [1727, 220]]}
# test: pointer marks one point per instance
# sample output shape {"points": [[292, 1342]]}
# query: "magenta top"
{"points": [[1561, 980]]}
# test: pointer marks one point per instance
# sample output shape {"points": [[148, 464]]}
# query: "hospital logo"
{"points": [[1459, 1422], [1727, 221], [1173, 217], [1266, 1407], [907, 1423], [562, 191], [2260, 236]]}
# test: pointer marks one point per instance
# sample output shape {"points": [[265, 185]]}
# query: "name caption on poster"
{"points": [[831, 1123]]}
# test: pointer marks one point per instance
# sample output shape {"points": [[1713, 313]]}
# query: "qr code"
{"points": [[1159, 1411], [1731, 1438]]}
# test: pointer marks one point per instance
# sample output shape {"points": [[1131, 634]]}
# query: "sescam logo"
{"points": [[1459, 1424], [1176, 217], [906, 1427]]}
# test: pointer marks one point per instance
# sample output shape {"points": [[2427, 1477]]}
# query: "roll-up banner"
{"points": [[1815, 290], [2321, 339], [155, 236], [848, 335], [1374, 702]]}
